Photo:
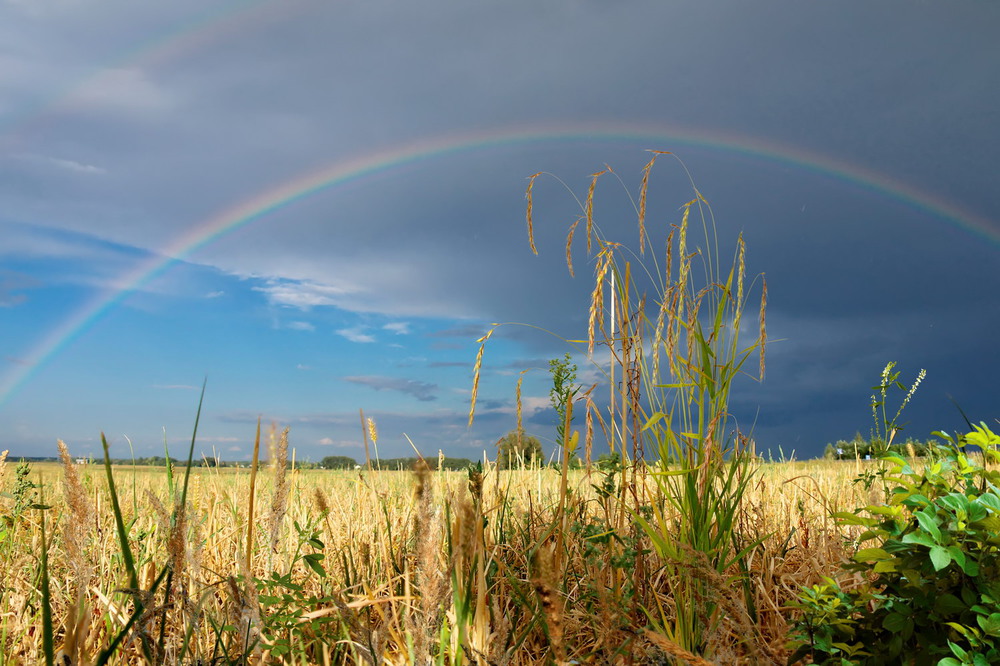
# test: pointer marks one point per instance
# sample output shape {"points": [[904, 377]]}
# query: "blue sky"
{"points": [[853, 144]]}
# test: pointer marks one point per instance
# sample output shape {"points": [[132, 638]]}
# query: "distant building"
{"points": [[81, 461]]}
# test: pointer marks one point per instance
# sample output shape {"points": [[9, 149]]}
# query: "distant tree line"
{"points": [[862, 448], [405, 464]]}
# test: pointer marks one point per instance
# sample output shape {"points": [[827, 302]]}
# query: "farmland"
{"points": [[497, 566]]}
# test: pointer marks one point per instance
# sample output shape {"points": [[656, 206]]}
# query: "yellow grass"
{"points": [[396, 561]]}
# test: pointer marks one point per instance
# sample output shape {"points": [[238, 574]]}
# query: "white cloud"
{"points": [[303, 294], [339, 443], [63, 163], [303, 367], [301, 326], [215, 294], [355, 334], [398, 327], [79, 167]]}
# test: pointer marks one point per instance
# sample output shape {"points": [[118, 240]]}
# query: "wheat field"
{"points": [[370, 567]]}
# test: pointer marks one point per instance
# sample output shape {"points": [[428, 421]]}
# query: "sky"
{"points": [[319, 206]]}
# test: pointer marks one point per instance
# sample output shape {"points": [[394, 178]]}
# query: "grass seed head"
{"points": [[589, 207], [279, 500], [527, 195], [81, 514], [543, 580]]}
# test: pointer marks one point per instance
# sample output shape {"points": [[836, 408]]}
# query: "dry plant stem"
{"points": [[675, 650], [253, 494], [364, 435]]}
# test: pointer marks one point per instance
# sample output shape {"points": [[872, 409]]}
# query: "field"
{"points": [[699, 555], [396, 567]]}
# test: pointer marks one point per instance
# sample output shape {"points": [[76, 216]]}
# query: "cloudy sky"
{"points": [[319, 206]]}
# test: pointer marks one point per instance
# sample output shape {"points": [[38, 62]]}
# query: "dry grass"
{"points": [[496, 583]]}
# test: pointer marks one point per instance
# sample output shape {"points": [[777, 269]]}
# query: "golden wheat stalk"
{"points": [[475, 372], [643, 191], [589, 207], [594, 319], [527, 195], [569, 247]]}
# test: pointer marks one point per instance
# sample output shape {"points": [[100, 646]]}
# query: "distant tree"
{"points": [[407, 464], [337, 462], [456, 463], [516, 448]]}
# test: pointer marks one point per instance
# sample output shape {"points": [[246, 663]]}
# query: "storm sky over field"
{"points": [[319, 206]]}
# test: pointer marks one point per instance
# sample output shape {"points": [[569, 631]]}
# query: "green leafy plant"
{"points": [[563, 390], [932, 577]]}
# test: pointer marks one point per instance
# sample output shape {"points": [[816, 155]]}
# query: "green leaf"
{"points": [[990, 625], [990, 500], [653, 420], [313, 560], [957, 502], [949, 604], [886, 566], [871, 554], [940, 557], [916, 500], [847, 518], [977, 511], [919, 538], [957, 651], [894, 622], [928, 520]]}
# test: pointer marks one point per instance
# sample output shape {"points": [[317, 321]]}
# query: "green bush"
{"points": [[931, 590]]}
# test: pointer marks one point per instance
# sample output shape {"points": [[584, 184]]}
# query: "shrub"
{"points": [[931, 590]]}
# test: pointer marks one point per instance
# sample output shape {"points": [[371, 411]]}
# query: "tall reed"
{"points": [[674, 357]]}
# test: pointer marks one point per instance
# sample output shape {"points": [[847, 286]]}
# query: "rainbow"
{"points": [[387, 159]]}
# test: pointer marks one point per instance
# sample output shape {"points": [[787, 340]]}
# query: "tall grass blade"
{"points": [[119, 522], [47, 640]]}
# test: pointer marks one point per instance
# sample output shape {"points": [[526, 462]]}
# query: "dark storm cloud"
{"points": [[140, 151]]}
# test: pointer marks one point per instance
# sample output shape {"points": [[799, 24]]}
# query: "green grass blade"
{"points": [[47, 641], [119, 523], [194, 435]]}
